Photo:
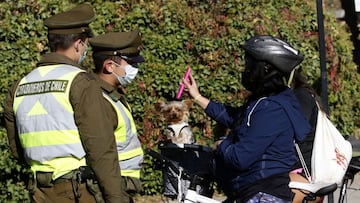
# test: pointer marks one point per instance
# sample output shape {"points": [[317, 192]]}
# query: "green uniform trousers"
{"points": [[62, 193]]}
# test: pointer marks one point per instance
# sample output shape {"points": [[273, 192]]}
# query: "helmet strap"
{"points": [[291, 77]]}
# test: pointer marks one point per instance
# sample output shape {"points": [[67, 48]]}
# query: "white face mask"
{"points": [[130, 74]]}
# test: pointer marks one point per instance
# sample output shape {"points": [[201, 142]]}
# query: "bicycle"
{"points": [[187, 184], [199, 188]]}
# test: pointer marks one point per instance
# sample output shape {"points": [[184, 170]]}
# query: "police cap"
{"points": [[74, 21], [127, 45]]}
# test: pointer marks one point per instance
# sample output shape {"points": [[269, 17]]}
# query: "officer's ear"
{"points": [[108, 66], [77, 44]]}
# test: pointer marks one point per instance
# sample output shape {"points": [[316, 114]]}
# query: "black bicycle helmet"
{"points": [[274, 51]]}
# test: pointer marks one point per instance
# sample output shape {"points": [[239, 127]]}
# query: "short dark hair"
{"points": [[99, 60], [64, 41]]}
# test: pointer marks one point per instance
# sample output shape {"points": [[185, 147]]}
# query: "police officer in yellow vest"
{"points": [[55, 120], [116, 56]]}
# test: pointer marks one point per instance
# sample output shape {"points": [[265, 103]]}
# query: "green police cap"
{"points": [[74, 21], [124, 44]]}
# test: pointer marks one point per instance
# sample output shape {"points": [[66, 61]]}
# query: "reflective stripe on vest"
{"points": [[129, 148], [45, 120]]}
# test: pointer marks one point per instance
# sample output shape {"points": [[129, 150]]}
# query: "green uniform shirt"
{"points": [[96, 131]]}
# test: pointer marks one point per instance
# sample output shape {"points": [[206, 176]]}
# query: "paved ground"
{"points": [[356, 145]]}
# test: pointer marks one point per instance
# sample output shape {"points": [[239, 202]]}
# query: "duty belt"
{"points": [[80, 175]]}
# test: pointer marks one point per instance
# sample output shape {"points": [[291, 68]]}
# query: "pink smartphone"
{"points": [[182, 85]]}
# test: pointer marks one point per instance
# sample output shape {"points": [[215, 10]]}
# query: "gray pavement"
{"points": [[355, 143]]}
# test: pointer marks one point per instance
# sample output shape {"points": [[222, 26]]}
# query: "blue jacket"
{"points": [[262, 144]]}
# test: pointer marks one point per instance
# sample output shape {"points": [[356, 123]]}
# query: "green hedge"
{"points": [[205, 35]]}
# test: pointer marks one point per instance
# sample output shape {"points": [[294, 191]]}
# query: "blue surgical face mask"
{"points": [[130, 74], [83, 56]]}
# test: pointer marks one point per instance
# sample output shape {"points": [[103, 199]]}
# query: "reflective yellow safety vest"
{"points": [[45, 120], [129, 148]]}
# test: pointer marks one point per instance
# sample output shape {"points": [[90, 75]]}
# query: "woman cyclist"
{"points": [[253, 162]]}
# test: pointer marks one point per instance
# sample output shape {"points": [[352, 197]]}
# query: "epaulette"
{"points": [[89, 76]]}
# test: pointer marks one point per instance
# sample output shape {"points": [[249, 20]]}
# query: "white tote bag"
{"points": [[331, 152]]}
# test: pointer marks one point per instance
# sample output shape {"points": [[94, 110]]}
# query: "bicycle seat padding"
{"points": [[319, 189]]}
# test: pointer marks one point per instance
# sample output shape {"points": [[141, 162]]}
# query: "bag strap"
{"points": [[302, 161], [301, 157], [318, 105]]}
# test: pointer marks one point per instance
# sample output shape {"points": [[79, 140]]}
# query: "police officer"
{"points": [[116, 56], [55, 121]]}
